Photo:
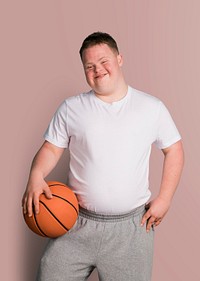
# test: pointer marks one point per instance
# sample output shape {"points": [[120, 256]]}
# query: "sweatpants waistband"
{"points": [[110, 217]]}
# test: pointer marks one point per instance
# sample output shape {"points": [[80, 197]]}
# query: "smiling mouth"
{"points": [[100, 76]]}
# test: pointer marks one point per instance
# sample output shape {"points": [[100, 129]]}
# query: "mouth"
{"points": [[100, 76]]}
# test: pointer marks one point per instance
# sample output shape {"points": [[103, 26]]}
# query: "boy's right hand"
{"points": [[31, 196]]}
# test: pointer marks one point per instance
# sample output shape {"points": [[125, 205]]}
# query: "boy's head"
{"points": [[98, 38]]}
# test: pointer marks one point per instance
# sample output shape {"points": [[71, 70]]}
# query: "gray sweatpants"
{"points": [[116, 245]]}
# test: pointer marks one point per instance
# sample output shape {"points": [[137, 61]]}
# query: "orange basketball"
{"points": [[57, 215]]}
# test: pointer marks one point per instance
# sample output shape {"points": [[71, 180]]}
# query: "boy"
{"points": [[109, 132]]}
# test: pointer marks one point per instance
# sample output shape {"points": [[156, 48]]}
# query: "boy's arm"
{"points": [[43, 163], [172, 168]]}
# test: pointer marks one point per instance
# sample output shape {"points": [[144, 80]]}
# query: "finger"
{"points": [[29, 206], [36, 203], [157, 222], [146, 216], [150, 223], [48, 193], [24, 201]]}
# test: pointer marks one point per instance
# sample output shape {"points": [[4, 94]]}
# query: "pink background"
{"points": [[40, 64]]}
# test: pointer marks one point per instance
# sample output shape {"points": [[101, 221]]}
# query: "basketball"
{"points": [[57, 215]]}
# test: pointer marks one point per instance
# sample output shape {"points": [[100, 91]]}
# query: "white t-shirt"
{"points": [[110, 145]]}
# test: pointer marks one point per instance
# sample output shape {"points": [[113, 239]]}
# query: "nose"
{"points": [[97, 68]]}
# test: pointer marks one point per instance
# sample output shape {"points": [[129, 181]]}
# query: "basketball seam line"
{"points": [[66, 201], [60, 184], [54, 216], [38, 225]]}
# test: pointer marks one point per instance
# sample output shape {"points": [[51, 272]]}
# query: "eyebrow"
{"points": [[105, 57]]}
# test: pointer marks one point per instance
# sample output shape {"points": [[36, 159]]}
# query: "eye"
{"points": [[89, 67], [105, 61]]}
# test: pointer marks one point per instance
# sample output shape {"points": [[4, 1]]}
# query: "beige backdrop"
{"points": [[40, 40]]}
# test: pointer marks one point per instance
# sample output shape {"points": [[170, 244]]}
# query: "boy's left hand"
{"points": [[156, 210]]}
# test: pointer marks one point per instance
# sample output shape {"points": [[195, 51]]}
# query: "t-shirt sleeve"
{"points": [[57, 132], [167, 132]]}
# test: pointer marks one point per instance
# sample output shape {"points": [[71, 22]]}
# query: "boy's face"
{"points": [[102, 67]]}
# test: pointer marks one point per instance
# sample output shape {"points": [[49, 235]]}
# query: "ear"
{"points": [[120, 59]]}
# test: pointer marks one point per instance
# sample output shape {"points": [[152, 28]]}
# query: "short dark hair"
{"points": [[98, 38]]}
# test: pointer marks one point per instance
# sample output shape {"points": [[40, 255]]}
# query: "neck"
{"points": [[113, 96]]}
